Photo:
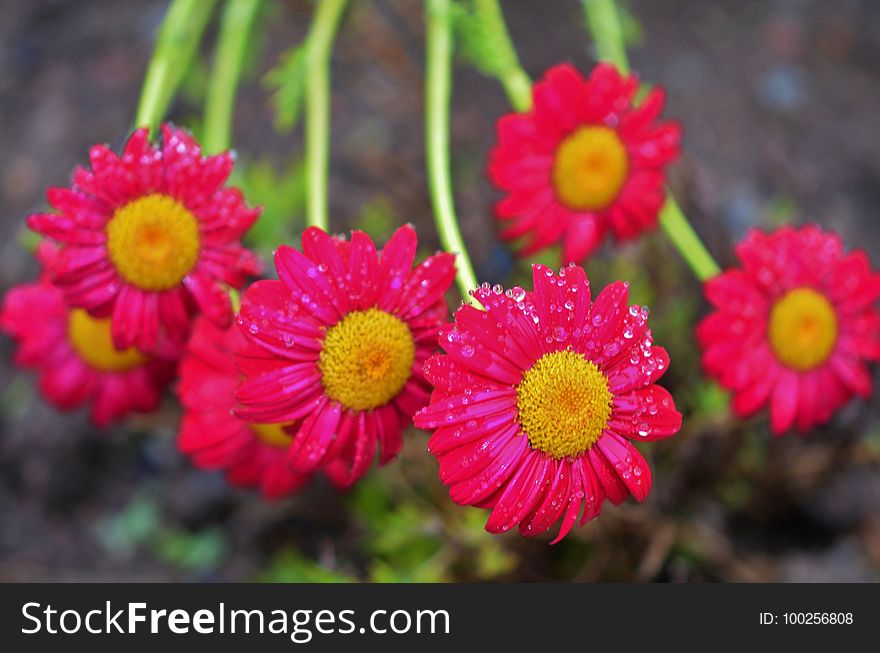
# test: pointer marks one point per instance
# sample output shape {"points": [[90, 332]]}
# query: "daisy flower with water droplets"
{"points": [[74, 355], [151, 238], [793, 327], [252, 454], [337, 347], [538, 398], [583, 162]]}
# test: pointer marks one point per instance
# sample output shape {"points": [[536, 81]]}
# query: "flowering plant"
{"points": [[346, 367]]}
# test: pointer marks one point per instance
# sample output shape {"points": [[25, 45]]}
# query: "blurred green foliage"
{"points": [[16, 397], [411, 537], [287, 82], [140, 526], [282, 194], [780, 210], [122, 533], [204, 550], [406, 538], [29, 240], [377, 219], [290, 566]]}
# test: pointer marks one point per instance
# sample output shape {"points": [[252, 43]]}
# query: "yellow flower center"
{"points": [[590, 168], [91, 340], [153, 241], [802, 329], [564, 404], [366, 359], [272, 434]]}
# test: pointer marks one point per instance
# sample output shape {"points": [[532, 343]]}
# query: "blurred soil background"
{"points": [[779, 101]]}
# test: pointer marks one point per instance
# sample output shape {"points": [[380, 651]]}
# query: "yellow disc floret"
{"points": [[564, 404], [272, 434], [91, 340], [153, 242], [802, 329], [590, 168], [366, 359]]}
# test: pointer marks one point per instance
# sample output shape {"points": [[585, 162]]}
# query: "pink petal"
{"points": [[645, 414], [628, 463], [522, 492], [583, 237], [474, 456], [615, 489], [363, 265], [308, 284], [555, 502], [462, 408], [309, 447], [479, 487], [394, 266], [784, 402]]}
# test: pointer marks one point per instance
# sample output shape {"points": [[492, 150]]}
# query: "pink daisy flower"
{"points": [[151, 238], [793, 327], [337, 347], [74, 355], [253, 455], [584, 162], [538, 399]]}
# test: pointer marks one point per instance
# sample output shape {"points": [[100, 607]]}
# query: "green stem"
{"points": [[437, 97], [235, 29], [686, 240], [604, 22], [317, 117], [178, 38], [516, 82]]}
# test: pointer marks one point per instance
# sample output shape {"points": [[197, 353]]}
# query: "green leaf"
{"points": [[287, 82]]}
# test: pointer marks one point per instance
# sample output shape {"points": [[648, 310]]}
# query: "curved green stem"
{"points": [[178, 38], [604, 22], [317, 116], [239, 17], [516, 82], [437, 96]]}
